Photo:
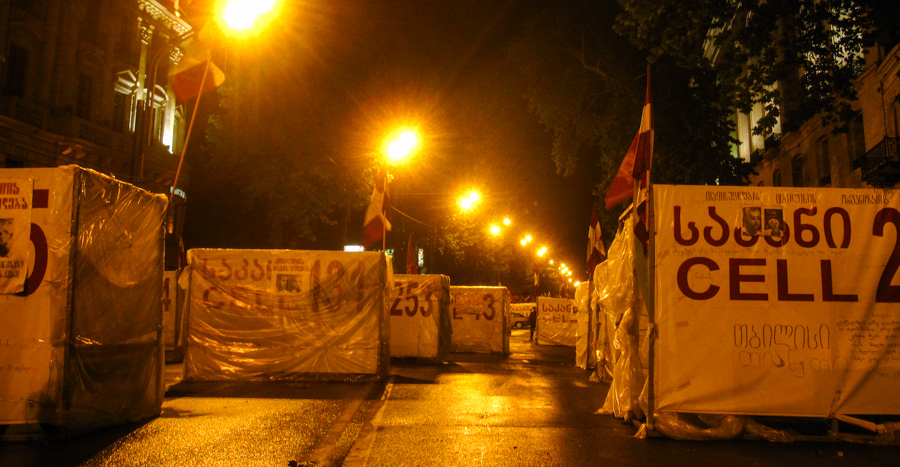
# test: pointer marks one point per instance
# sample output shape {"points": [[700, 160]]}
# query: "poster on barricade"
{"points": [[15, 233], [79, 343], [420, 316], [777, 301], [287, 315], [480, 317], [557, 321]]}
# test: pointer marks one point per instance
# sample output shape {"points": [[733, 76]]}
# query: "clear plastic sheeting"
{"points": [[582, 330], [83, 342], [603, 325], [621, 302], [420, 317], [712, 427], [556, 321], [288, 315], [480, 317]]}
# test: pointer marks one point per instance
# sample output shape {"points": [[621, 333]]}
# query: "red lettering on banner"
{"points": [[887, 293], [828, 294], [707, 231], [683, 279], [695, 234], [782, 278], [735, 278]]}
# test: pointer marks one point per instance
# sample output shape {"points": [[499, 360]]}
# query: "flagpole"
{"points": [[187, 137]]}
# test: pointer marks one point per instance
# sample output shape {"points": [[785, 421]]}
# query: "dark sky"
{"points": [[444, 63]]}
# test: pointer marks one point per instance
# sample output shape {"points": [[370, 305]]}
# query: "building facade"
{"points": [[866, 155], [78, 87]]}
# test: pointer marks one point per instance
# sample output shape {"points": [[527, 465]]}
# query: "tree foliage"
{"points": [[800, 55], [586, 85]]}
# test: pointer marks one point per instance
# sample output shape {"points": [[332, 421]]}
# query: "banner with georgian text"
{"points": [[781, 301], [287, 315]]}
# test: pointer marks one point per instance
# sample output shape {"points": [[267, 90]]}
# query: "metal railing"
{"points": [[881, 164]]}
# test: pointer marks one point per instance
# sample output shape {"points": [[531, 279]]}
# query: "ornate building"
{"points": [[811, 154], [78, 87]]}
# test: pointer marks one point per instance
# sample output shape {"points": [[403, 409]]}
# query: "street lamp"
{"points": [[243, 18], [401, 146]]}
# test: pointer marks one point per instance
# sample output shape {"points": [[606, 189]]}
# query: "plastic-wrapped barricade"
{"points": [[583, 328], [80, 300], [420, 317], [480, 319], [557, 320], [287, 315]]}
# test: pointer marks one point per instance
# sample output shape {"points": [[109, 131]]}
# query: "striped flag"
{"points": [[376, 223]]}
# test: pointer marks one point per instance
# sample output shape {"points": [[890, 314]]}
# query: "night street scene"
{"points": [[444, 233]]}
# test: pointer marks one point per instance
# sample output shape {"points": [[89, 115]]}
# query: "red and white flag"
{"points": [[596, 250], [412, 257], [376, 223], [633, 177], [637, 161], [188, 76]]}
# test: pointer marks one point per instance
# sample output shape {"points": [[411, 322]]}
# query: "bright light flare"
{"points": [[243, 15], [474, 196], [540, 253], [523, 242], [507, 221], [495, 230], [402, 146]]}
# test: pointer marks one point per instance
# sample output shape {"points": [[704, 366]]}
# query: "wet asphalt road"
{"points": [[533, 407]]}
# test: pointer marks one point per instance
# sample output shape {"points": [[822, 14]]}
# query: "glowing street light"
{"points": [[495, 230], [540, 253], [507, 221], [401, 146], [241, 16], [469, 200]]}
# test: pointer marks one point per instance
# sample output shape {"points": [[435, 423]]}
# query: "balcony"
{"points": [[881, 164], [23, 111], [67, 125]]}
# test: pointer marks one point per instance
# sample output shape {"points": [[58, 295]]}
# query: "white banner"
{"points": [[420, 315], [557, 321], [282, 314], [15, 233], [480, 319], [777, 300]]}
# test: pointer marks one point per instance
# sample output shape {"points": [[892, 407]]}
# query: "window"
{"points": [[88, 29], [856, 142], [13, 163], [16, 67], [823, 154], [797, 171], [776, 178], [83, 98]]}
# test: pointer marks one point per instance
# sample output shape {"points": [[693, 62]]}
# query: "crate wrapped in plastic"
{"points": [[582, 329], [420, 317], [287, 315], [557, 321], [81, 276], [480, 317]]}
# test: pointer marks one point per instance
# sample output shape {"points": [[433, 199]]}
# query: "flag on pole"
{"points": [[412, 258], [596, 251], [187, 76], [633, 177], [637, 161], [376, 223]]}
